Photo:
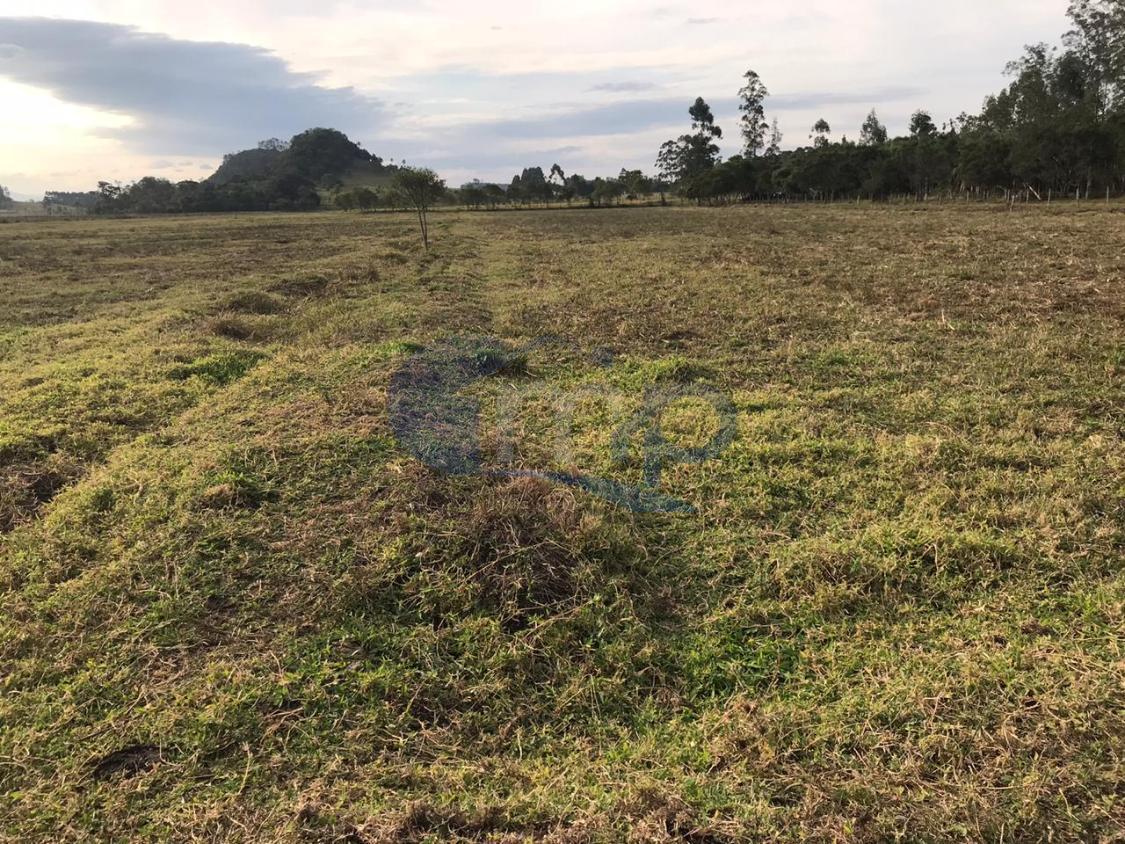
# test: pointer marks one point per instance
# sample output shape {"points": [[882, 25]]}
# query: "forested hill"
{"points": [[323, 156], [274, 176]]}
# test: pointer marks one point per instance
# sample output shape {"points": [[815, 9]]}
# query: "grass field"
{"points": [[235, 608]]}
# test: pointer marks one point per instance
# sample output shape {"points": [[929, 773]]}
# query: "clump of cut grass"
{"points": [[31, 446], [234, 327], [302, 286], [528, 549], [253, 302], [234, 489], [220, 369], [522, 549]]}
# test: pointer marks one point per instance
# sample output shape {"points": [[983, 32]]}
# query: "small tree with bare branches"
{"points": [[420, 188]]}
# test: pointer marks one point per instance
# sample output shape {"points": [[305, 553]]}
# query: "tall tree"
{"points": [[774, 148], [821, 133], [607, 190], [873, 133], [922, 125], [752, 97], [473, 194], [534, 184], [516, 192], [576, 185], [702, 120], [685, 159], [1099, 36]]}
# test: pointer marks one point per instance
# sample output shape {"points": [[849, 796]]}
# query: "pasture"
{"points": [[236, 608]]}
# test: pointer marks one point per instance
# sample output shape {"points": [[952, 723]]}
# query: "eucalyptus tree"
{"points": [[752, 96], [873, 133], [774, 148], [821, 133], [922, 125], [686, 158]]}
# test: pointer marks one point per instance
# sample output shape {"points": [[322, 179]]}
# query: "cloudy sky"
{"points": [[117, 89]]}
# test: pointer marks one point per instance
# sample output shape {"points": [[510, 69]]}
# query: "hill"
{"points": [[276, 176], [251, 164], [325, 157], [648, 524]]}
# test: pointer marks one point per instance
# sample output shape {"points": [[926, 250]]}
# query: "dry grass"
{"points": [[236, 609]]}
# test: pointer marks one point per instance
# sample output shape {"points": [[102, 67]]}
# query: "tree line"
{"points": [[528, 188], [1058, 129], [532, 186]]}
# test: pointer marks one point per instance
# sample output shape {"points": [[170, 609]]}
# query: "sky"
{"points": [[117, 89]]}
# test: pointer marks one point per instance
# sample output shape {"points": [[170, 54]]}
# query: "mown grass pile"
{"points": [[237, 608]]}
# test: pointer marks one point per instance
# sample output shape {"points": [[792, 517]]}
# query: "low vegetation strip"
{"points": [[237, 607]]}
